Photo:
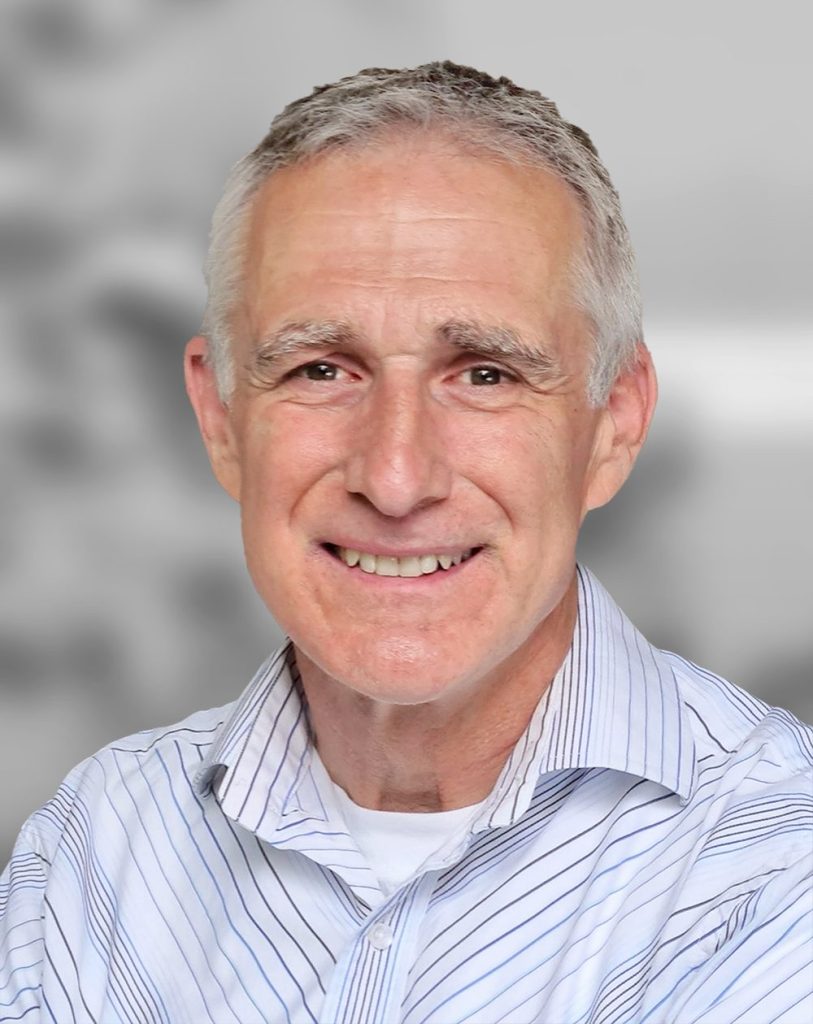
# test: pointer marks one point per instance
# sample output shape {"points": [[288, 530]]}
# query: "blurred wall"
{"points": [[124, 599]]}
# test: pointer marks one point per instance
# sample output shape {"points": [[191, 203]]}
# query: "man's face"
{"points": [[411, 387]]}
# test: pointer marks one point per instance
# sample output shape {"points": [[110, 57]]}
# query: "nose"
{"points": [[397, 463]]}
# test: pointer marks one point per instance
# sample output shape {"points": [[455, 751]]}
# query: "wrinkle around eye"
{"points": [[274, 377], [294, 385]]}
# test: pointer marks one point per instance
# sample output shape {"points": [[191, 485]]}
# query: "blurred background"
{"points": [[124, 599]]}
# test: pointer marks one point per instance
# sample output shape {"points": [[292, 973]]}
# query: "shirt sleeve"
{"points": [[763, 972], [22, 893]]}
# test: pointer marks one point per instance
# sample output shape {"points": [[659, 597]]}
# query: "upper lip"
{"points": [[394, 550]]}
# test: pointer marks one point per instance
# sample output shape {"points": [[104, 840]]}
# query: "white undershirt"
{"points": [[396, 843]]}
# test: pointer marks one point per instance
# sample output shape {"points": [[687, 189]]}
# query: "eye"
{"points": [[318, 371], [487, 375]]}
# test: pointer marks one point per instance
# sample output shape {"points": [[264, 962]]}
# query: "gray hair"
{"points": [[484, 113]]}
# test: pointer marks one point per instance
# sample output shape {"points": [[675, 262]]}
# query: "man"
{"points": [[468, 789]]}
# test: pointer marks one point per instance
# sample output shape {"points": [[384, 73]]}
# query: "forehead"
{"points": [[416, 221]]}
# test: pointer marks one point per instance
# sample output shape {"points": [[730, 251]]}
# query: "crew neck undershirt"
{"points": [[396, 843]]}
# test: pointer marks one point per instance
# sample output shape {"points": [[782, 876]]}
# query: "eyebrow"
{"points": [[302, 335], [496, 342], [489, 342], [297, 337]]}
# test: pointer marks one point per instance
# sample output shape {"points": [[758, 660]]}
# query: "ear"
{"points": [[214, 417], [622, 429]]}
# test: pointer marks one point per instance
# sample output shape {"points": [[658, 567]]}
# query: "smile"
{"points": [[392, 565]]}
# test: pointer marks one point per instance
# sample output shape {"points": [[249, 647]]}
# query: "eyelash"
{"points": [[507, 375], [301, 371]]}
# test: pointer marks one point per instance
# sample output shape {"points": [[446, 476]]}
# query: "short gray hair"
{"points": [[484, 113]]}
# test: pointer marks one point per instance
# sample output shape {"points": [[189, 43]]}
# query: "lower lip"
{"points": [[400, 582]]}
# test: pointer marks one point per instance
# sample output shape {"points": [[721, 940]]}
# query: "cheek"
{"points": [[281, 462], [285, 451], [532, 465]]}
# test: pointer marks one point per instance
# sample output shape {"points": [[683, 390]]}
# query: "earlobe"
{"points": [[213, 416], [623, 429]]}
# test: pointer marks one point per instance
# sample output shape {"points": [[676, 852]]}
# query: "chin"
{"points": [[398, 670]]}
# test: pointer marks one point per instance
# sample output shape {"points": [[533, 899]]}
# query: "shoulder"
{"points": [[125, 776], [752, 795], [739, 939], [725, 719]]}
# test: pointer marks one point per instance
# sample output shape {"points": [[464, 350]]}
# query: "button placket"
{"points": [[370, 980]]}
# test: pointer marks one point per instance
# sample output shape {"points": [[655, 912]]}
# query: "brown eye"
{"points": [[486, 375], [319, 371]]}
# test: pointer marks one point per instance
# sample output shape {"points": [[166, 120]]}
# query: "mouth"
{"points": [[409, 566]]}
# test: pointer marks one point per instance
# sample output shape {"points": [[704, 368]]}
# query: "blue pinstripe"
{"points": [[644, 856]]}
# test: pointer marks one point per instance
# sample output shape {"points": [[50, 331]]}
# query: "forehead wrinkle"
{"points": [[394, 279]]}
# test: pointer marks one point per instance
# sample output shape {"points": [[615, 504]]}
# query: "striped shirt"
{"points": [[644, 856]]}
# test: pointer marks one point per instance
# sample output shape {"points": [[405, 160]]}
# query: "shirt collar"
{"points": [[613, 704], [258, 759]]}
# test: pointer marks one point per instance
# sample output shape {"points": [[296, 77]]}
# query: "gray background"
{"points": [[124, 599]]}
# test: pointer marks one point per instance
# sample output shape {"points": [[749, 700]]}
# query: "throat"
{"points": [[408, 765]]}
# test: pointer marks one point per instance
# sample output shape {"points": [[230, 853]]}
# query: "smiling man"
{"points": [[466, 789]]}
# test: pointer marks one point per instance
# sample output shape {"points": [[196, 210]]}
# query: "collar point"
{"points": [[207, 777]]}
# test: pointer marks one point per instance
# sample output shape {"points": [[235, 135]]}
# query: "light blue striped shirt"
{"points": [[645, 856]]}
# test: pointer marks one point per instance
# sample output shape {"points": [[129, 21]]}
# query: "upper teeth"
{"points": [[412, 565]]}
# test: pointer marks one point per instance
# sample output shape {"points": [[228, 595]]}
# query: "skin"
{"points": [[417, 689]]}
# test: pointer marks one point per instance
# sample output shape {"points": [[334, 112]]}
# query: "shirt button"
{"points": [[380, 936]]}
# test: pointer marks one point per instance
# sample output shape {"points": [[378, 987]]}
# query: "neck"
{"points": [[443, 754]]}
